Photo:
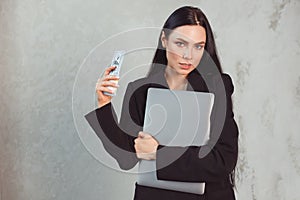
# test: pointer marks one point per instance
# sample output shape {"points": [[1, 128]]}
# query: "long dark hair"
{"points": [[186, 15]]}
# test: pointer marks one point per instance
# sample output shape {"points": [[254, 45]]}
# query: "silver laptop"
{"points": [[175, 118]]}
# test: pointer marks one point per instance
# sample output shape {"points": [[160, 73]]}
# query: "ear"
{"points": [[163, 39]]}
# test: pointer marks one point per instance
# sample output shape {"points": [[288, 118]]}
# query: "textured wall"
{"points": [[43, 43]]}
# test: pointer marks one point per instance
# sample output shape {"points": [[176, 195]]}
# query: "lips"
{"points": [[185, 65]]}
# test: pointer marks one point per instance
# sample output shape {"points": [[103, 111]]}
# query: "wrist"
{"points": [[102, 104]]}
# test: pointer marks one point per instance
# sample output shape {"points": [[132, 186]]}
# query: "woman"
{"points": [[185, 59]]}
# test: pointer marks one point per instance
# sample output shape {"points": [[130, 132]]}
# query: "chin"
{"points": [[184, 72]]}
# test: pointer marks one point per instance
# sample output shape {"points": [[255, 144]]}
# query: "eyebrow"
{"points": [[202, 42]]}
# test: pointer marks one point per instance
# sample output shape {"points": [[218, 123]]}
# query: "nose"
{"points": [[187, 54]]}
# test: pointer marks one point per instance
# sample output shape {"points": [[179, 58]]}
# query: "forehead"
{"points": [[191, 33]]}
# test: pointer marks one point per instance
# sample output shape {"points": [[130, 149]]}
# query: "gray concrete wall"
{"points": [[47, 151]]}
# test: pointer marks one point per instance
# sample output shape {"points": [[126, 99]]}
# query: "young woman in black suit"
{"points": [[185, 59]]}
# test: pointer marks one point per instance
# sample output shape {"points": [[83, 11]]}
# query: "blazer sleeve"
{"points": [[215, 165], [117, 138]]}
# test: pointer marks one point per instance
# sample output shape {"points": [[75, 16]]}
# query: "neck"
{"points": [[175, 81]]}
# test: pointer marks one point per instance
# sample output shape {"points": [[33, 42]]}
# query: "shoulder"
{"points": [[138, 88], [156, 80], [221, 84], [139, 82], [228, 83]]}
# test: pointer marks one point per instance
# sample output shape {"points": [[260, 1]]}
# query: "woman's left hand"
{"points": [[145, 146]]}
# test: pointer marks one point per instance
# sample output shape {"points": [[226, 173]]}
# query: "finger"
{"points": [[110, 78], [103, 82], [138, 155], [136, 149], [106, 84], [104, 89], [109, 83], [141, 134], [108, 70], [144, 135]]}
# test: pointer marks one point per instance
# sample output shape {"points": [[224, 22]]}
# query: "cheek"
{"points": [[197, 58], [172, 56], [174, 51]]}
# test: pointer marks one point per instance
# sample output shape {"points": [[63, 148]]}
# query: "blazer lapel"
{"points": [[196, 82]]}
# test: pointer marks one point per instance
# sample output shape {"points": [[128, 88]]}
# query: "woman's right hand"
{"points": [[103, 84]]}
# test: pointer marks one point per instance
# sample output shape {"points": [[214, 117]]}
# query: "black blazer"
{"points": [[220, 153]]}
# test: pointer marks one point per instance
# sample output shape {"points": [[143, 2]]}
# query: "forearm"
{"points": [[185, 164], [115, 141]]}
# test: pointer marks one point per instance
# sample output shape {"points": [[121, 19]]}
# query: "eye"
{"points": [[198, 47], [180, 44]]}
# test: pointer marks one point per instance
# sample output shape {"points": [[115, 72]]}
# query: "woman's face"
{"points": [[184, 47]]}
